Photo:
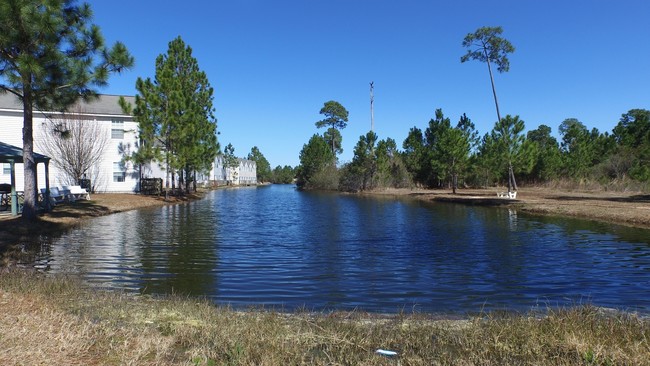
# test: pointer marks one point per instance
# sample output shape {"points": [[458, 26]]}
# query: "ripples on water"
{"points": [[274, 246]]}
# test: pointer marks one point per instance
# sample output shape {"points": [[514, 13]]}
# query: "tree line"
{"points": [[449, 155]]}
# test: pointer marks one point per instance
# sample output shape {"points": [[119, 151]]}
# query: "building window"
{"points": [[117, 129], [119, 174], [6, 169]]}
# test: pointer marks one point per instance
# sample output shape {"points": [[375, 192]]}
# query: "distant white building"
{"points": [[112, 174], [244, 174]]}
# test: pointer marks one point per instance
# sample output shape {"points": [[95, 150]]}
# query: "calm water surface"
{"points": [[277, 247]]}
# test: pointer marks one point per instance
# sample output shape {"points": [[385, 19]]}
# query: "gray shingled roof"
{"points": [[106, 104], [14, 153]]}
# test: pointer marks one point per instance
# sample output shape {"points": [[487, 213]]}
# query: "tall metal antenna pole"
{"points": [[372, 106]]}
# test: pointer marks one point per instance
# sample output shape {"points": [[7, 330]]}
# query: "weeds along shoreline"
{"points": [[56, 319]]}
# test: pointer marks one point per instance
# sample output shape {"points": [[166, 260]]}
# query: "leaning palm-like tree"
{"points": [[487, 46]]}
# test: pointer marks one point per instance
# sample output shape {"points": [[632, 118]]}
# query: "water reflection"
{"points": [[278, 247], [179, 250]]}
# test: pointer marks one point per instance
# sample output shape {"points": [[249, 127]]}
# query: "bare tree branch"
{"points": [[76, 145]]}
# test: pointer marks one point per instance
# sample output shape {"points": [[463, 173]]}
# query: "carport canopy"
{"points": [[13, 154]]}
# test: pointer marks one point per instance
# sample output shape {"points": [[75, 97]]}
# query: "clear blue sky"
{"points": [[273, 63]]}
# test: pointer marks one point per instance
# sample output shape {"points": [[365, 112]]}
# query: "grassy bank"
{"points": [[57, 321]]}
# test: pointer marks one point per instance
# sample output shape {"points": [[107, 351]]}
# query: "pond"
{"points": [[277, 247]]}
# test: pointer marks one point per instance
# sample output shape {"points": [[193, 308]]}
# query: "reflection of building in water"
{"points": [[512, 218]]}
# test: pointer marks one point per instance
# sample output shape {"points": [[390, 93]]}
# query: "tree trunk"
{"points": [[188, 175], [494, 90], [454, 177], [166, 176], [180, 179], [29, 203], [139, 178], [512, 175], [454, 182]]}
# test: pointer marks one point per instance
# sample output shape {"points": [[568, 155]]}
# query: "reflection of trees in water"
{"points": [[179, 251], [102, 250], [572, 226]]}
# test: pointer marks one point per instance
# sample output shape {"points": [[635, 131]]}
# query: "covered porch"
{"points": [[9, 196]]}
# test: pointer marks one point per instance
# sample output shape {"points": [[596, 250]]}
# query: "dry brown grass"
{"points": [[56, 321]]}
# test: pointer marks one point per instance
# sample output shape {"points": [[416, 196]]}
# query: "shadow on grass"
{"points": [[78, 210], [639, 198], [472, 198], [476, 201]]}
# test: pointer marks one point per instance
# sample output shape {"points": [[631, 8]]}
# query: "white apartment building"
{"points": [[245, 174], [112, 174]]}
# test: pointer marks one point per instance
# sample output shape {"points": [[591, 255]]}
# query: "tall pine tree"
{"points": [[263, 165], [176, 115], [50, 57]]}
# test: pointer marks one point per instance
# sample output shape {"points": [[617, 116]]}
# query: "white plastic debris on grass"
{"points": [[386, 353]]}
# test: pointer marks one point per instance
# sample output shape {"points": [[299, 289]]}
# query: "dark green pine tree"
{"points": [[336, 118], [487, 45], [632, 138], [434, 135], [197, 126], [364, 162], [264, 173], [452, 150], [548, 159], [176, 115], [515, 151], [315, 157], [416, 156], [50, 57], [230, 162]]}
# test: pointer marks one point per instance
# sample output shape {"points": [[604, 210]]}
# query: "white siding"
{"points": [[11, 133], [11, 120], [244, 174]]}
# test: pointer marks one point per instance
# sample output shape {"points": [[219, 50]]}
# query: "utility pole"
{"points": [[372, 106]]}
